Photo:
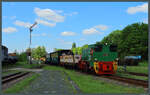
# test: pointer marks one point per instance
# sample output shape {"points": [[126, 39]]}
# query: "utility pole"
{"points": [[30, 42]]}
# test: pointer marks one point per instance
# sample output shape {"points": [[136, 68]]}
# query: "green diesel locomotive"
{"points": [[102, 59]]}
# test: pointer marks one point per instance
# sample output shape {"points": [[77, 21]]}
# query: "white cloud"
{"points": [[23, 24], [9, 30], [71, 14], [67, 33], [95, 30], [39, 21], [101, 27], [140, 8], [90, 31], [49, 14]]}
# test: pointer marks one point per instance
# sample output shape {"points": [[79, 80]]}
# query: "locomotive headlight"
{"points": [[117, 59], [95, 59]]}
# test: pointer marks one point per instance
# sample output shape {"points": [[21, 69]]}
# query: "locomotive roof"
{"points": [[93, 45], [61, 51]]}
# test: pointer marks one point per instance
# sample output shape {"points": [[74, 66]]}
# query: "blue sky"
{"points": [[62, 23]]}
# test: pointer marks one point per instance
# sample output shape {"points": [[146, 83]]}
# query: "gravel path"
{"points": [[50, 82]]}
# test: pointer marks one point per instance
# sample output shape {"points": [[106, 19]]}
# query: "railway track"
{"points": [[134, 73], [137, 82], [129, 80], [12, 77], [138, 74]]}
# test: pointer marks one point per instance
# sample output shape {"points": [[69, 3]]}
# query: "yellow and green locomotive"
{"points": [[102, 59]]}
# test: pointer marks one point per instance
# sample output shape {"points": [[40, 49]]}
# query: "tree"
{"points": [[74, 50], [132, 40], [112, 38], [22, 56], [73, 45], [56, 49], [38, 52]]}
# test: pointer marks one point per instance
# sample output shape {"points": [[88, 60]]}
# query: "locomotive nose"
{"points": [[107, 67]]}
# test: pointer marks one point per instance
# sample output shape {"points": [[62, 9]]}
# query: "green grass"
{"points": [[141, 68], [144, 63], [57, 68], [21, 85], [24, 64], [136, 69], [87, 84]]}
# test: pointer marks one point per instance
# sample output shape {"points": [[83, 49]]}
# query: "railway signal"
{"points": [[30, 28]]}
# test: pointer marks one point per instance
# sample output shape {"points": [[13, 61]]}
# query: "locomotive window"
{"points": [[113, 48], [98, 48]]}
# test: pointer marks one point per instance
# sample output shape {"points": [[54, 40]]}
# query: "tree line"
{"points": [[36, 54], [131, 41]]}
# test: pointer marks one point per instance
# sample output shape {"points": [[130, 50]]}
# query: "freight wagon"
{"points": [[4, 54], [70, 61], [54, 57], [10, 58]]}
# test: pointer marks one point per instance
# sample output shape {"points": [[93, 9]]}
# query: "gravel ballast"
{"points": [[49, 82]]}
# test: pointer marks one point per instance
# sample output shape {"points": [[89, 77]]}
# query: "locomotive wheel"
{"points": [[82, 68], [86, 68], [78, 66]]}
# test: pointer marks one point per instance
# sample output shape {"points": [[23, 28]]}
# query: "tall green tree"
{"points": [[112, 38], [73, 45], [132, 40], [38, 52]]}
